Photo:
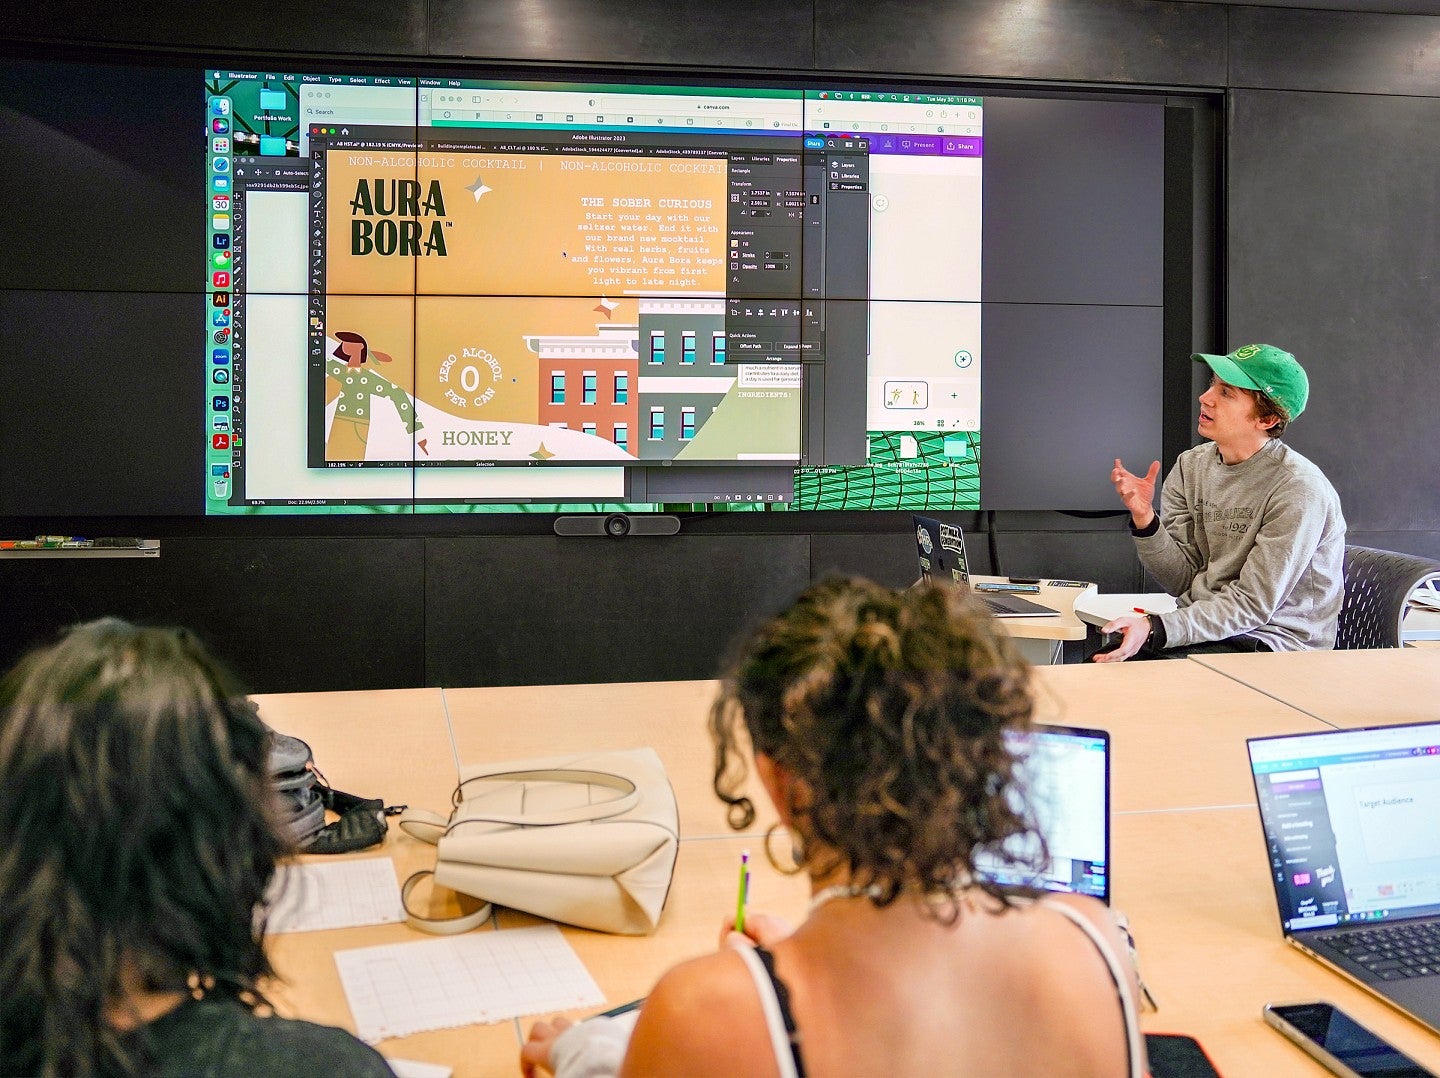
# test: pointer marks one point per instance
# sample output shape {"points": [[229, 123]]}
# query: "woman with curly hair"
{"points": [[137, 839], [877, 721]]}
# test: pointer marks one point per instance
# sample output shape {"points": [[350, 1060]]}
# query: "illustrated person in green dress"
{"points": [[359, 385]]}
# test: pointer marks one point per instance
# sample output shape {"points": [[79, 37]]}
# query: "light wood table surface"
{"points": [[388, 743], [392, 744], [1177, 729], [1188, 871], [541, 720], [310, 987], [1196, 888], [1344, 688], [701, 897]]}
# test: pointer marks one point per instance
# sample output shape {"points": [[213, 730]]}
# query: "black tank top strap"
{"points": [[782, 998]]}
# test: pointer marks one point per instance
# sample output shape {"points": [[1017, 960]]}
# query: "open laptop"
{"points": [[1066, 776], [941, 550], [1352, 833]]}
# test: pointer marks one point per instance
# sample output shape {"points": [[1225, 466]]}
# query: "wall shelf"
{"points": [[149, 548]]}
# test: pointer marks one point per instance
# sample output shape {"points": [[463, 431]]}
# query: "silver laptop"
{"points": [[1066, 775], [941, 549], [1352, 832]]}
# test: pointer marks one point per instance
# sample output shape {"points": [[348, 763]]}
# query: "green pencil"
{"points": [[743, 892]]}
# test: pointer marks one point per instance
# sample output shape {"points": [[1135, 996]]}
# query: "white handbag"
{"points": [[588, 840]]}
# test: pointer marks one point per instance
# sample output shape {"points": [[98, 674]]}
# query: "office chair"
{"points": [[1377, 585]]}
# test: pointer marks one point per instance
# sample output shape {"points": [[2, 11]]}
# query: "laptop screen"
{"points": [[1352, 823], [1066, 774]]}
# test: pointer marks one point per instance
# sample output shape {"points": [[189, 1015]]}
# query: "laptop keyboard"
{"points": [[1394, 952], [1013, 606]]}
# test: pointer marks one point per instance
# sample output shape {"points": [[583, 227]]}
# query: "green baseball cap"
{"points": [[1266, 368]]}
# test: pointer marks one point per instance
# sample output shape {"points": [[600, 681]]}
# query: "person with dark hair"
{"points": [[138, 835], [877, 721], [1250, 537]]}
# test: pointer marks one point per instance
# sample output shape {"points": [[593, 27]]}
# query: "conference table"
{"points": [[1345, 688], [1188, 860]]}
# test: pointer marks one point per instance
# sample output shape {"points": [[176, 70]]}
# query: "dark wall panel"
{"points": [[1335, 50], [1065, 222], [1107, 558], [1334, 239], [887, 559], [544, 609], [1087, 351], [287, 615], [99, 133], [373, 27], [130, 355], [1123, 41], [741, 33]]}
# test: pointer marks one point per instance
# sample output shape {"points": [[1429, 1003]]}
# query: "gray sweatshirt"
{"points": [[1256, 548]]}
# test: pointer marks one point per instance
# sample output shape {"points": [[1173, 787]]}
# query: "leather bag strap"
{"points": [[440, 926], [422, 824], [578, 814]]}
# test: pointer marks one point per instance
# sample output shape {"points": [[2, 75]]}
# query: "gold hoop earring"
{"points": [[797, 852]]}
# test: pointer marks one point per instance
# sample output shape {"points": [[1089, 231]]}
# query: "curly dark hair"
{"points": [[137, 833], [891, 707]]}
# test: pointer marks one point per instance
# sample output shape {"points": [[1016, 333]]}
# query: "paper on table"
{"points": [[1098, 608], [1427, 598], [410, 1068], [339, 894], [402, 988]]}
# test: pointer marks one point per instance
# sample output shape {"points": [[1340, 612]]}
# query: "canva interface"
{"points": [[449, 295], [1350, 823]]}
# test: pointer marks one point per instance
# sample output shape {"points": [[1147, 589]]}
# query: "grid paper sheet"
{"points": [[340, 894], [402, 988]]}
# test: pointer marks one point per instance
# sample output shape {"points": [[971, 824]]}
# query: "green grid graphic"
{"points": [[927, 481]]}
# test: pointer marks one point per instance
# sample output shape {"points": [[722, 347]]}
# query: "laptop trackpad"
{"points": [[1418, 995]]}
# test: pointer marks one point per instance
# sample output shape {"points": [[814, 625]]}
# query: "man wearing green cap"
{"points": [[1250, 538]]}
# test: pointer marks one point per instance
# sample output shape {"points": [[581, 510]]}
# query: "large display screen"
{"points": [[433, 294], [411, 291]]}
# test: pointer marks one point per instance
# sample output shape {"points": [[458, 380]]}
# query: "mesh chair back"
{"points": [[1377, 585]]}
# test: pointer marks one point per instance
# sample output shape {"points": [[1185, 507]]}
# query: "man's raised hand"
{"points": [[1137, 492]]}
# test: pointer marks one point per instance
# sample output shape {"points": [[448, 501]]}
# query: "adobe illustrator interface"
{"points": [[493, 311], [485, 250]]}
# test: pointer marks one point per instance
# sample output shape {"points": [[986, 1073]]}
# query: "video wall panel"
{"points": [[490, 294], [435, 294]]}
